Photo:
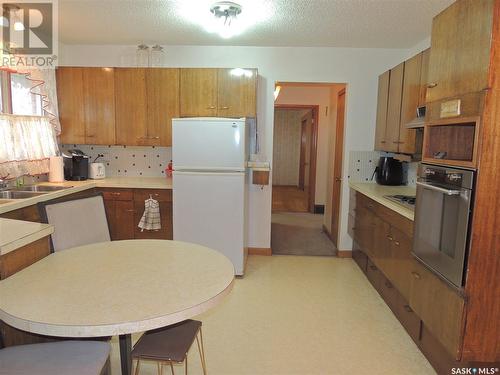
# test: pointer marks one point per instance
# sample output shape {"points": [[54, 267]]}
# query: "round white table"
{"points": [[115, 288]]}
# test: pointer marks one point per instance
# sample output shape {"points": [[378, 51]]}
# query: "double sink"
{"points": [[29, 191]]}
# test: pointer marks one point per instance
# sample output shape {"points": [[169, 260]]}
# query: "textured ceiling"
{"points": [[332, 23]]}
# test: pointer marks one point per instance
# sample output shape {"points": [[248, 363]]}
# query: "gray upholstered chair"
{"points": [[77, 222], [62, 357]]}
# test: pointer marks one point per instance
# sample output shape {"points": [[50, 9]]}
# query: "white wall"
{"points": [[359, 68], [314, 96]]}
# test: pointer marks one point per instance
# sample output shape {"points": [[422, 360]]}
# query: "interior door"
{"points": [[337, 165], [303, 152]]}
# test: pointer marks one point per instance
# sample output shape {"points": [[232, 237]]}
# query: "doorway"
{"points": [[294, 156]]}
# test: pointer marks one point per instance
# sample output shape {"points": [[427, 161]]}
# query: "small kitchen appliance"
{"points": [[97, 171], [389, 171], [76, 165]]}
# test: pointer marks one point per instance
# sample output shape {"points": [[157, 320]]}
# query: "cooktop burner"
{"points": [[407, 201]]}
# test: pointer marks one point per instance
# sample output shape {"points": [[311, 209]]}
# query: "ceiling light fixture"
{"points": [[225, 13]]}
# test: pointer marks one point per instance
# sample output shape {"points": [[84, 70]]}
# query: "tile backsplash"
{"points": [[128, 161], [362, 164]]}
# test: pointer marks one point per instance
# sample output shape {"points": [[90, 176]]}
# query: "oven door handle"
{"points": [[440, 189]]}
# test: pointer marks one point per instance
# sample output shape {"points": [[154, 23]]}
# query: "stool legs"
{"points": [[137, 367], [201, 351]]}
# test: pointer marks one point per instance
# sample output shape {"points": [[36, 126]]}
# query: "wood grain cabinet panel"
{"points": [[409, 104], [162, 90], [131, 106], [70, 97], [198, 92], [424, 74], [237, 92], [460, 49], [394, 108], [399, 270], [99, 105], [23, 257], [382, 100], [439, 306], [119, 208]]}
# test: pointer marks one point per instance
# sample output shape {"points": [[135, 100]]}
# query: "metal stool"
{"points": [[168, 345]]}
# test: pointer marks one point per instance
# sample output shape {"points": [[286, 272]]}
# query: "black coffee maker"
{"points": [[389, 171], [76, 165]]}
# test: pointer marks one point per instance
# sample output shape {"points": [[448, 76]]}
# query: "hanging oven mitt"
{"points": [[150, 219]]}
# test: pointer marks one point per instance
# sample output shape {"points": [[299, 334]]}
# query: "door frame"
{"points": [[337, 198], [314, 147]]}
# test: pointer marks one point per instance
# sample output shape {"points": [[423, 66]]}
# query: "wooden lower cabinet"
{"points": [[125, 207], [431, 312]]}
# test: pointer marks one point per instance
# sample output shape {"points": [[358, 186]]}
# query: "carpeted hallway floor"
{"points": [[299, 234]]}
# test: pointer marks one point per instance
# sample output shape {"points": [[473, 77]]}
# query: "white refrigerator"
{"points": [[210, 184]]}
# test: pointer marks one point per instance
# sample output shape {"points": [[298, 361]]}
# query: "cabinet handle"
{"points": [[388, 285], [396, 243], [338, 179], [116, 194], [373, 268], [390, 238], [416, 275], [90, 136], [149, 137], [432, 85], [408, 308], [211, 107], [397, 142], [353, 228], [382, 142], [369, 206], [223, 107], [130, 210]]}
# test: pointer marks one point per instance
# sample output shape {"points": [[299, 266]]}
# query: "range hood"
{"points": [[418, 121]]}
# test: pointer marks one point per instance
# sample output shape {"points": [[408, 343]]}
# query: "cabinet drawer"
{"points": [[117, 194], [359, 257], [161, 195], [440, 307], [388, 293], [373, 274], [409, 320]]}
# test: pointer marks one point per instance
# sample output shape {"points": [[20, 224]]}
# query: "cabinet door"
{"points": [[99, 104], [439, 306], [70, 101], [381, 245], [237, 90], [409, 104], [424, 73], [131, 108], [460, 49], [401, 261], [394, 108], [162, 86], [198, 92], [382, 100], [124, 220], [164, 198]]}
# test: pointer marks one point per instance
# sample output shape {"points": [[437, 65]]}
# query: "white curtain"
{"points": [[44, 84], [27, 143]]}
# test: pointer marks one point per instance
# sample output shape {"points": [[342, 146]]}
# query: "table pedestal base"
{"points": [[125, 350]]}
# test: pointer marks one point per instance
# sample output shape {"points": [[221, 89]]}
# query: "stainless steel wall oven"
{"points": [[442, 216]]}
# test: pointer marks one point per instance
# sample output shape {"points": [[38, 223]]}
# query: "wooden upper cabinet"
{"points": [[460, 49], [409, 104], [424, 73], [71, 111], [394, 108], [162, 89], [237, 91], [131, 106], [382, 99], [198, 92], [99, 105]]}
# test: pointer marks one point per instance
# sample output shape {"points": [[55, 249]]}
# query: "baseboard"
{"points": [[344, 253], [319, 208], [260, 251]]}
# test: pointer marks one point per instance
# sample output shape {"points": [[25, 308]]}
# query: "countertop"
{"points": [[77, 186], [377, 192], [16, 233]]}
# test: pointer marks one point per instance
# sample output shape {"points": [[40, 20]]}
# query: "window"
{"points": [[16, 97]]}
